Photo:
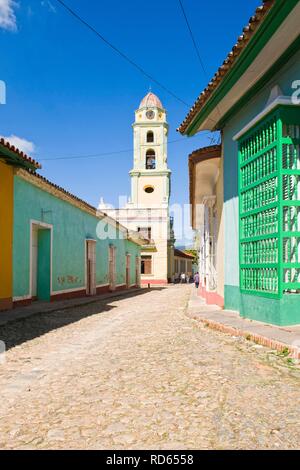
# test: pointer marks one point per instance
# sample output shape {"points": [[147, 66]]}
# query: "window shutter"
{"points": [[269, 193]]}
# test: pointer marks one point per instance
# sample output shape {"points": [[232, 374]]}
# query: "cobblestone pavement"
{"points": [[136, 372]]}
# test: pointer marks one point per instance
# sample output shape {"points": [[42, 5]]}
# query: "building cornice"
{"points": [[150, 172], [150, 107], [279, 101], [151, 124]]}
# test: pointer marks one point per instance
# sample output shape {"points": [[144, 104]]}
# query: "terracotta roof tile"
{"points": [[151, 100], [62, 190], [19, 153], [254, 22], [182, 254]]}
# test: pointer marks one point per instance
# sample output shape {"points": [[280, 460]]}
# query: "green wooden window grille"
{"points": [[269, 205]]}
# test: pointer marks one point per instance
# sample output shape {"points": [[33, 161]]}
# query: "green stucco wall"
{"points": [[282, 312], [131, 250], [71, 228], [233, 299]]}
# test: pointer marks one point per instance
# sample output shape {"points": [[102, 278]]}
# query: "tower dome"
{"points": [[151, 100]]}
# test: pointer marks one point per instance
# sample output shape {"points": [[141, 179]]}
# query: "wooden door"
{"points": [[91, 267], [128, 271], [138, 271]]}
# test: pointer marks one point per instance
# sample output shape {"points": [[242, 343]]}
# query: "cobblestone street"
{"points": [[135, 372]]}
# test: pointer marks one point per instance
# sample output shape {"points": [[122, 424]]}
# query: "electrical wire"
{"points": [[196, 48], [104, 154], [122, 54], [193, 38]]}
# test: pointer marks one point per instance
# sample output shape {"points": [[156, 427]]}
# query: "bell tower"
{"points": [[150, 176], [147, 212]]}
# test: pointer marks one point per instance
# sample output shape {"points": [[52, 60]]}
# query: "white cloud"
{"points": [[7, 15], [22, 144]]}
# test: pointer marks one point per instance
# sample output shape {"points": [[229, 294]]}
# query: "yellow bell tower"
{"points": [[150, 176], [147, 211]]}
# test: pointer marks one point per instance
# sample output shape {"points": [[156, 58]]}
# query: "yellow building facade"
{"points": [[6, 234], [10, 158]]}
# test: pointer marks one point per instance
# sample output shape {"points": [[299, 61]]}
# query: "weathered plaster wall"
{"points": [[71, 228]]}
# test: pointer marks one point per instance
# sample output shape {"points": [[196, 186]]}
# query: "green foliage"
{"points": [[284, 352], [194, 253]]}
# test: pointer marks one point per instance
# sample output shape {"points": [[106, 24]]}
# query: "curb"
{"points": [[258, 339]]}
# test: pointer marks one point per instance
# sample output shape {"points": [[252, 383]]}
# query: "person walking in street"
{"points": [[196, 279], [182, 278]]}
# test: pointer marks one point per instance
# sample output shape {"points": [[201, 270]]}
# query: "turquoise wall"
{"points": [[71, 227], [285, 311], [284, 78]]}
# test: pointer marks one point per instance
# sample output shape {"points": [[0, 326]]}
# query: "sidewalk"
{"points": [[35, 308], [281, 338]]}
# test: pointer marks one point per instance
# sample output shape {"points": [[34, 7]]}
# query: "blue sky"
{"points": [[69, 94]]}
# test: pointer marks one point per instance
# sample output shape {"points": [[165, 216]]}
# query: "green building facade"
{"points": [[254, 100], [63, 247]]}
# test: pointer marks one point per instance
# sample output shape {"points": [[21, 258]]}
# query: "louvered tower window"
{"points": [[269, 205]]}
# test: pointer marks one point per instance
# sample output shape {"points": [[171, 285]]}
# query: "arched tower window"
{"points": [[150, 137], [150, 160]]}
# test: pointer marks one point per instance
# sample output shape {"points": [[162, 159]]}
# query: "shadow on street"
{"points": [[38, 324]]}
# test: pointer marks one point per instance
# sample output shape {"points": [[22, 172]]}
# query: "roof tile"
{"points": [[248, 31], [19, 153]]}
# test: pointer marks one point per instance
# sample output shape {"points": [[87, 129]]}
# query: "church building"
{"points": [[147, 211]]}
